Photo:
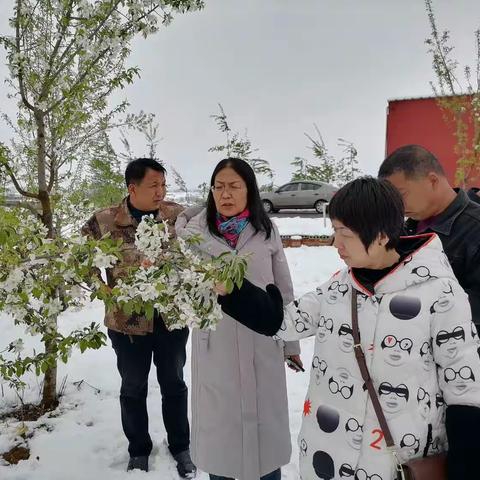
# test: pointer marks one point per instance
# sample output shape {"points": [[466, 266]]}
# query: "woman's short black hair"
{"points": [[258, 217], [370, 207], [136, 169]]}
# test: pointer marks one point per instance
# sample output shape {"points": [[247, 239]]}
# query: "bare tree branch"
{"points": [[21, 84], [16, 184]]}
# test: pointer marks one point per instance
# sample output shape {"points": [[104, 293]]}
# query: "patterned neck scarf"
{"points": [[231, 228]]}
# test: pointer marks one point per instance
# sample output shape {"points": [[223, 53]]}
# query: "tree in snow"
{"points": [[42, 277], [240, 147], [203, 188], [459, 100], [180, 182], [325, 167], [172, 279], [66, 58], [104, 181], [348, 164]]}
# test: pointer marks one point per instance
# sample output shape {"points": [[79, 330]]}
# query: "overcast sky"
{"points": [[277, 67]]}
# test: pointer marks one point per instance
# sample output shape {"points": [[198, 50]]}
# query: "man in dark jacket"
{"points": [[474, 194], [137, 339], [432, 205]]}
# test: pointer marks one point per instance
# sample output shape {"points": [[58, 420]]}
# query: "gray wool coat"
{"points": [[240, 425]]}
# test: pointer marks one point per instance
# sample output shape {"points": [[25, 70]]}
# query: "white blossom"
{"points": [[53, 306], [103, 260], [77, 292], [16, 346], [78, 240], [14, 278]]}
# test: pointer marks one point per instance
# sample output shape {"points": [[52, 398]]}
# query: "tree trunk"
{"points": [[49, 394]]}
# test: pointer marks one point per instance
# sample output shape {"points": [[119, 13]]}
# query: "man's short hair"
{"points": [[370, 207], [414, 161], [136, 169]]}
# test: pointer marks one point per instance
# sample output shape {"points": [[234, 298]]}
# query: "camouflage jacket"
{"points": [[119, 223]]}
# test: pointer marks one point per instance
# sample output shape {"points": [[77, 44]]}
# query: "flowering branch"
{"points": [[174, 280]]}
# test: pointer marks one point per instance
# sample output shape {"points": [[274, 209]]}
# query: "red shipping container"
{"points": [[423, 122]]}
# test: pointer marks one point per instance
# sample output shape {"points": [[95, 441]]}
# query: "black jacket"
{"points": [[459, 230], [473, 195]]}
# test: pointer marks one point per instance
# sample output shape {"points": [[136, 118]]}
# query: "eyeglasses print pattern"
{"points": [[426, 354], [325, 328], [393, 398], [345, 338], [354, 433], [320, 368], [347, 471], [423, 272], [303, 447], [445, 301], [302, 320], [424, 402], [336, 290], [461, 379], [411, 443], [396, 351], [450, 342], [338, 385]]}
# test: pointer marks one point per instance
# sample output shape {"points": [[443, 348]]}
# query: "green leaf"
{"points": [[149, 311], [229, 285]]}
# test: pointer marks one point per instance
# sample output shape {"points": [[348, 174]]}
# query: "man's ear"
{"points": [[433, 179], [131, 189]]}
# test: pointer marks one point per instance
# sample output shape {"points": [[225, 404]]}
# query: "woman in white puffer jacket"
{"points": [[420, 344]]}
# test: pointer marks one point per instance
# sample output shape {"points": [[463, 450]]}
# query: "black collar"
{"points": [[139, 214], [473, 195]]}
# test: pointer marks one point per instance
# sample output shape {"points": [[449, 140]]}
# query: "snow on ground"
{"points": [[83, 438], [190, 198], [303, 225]]}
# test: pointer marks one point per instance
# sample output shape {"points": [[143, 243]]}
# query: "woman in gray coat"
{"points": [[239, 403]]}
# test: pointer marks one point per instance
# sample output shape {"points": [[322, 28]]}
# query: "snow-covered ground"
{"points": [[84, 440], [303, 225]]}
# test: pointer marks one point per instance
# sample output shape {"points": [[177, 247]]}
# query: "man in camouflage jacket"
{"points": [[135, 339], [120, 224]]}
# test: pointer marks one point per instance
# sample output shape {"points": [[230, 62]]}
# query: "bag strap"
{"points": [[362, 364]]}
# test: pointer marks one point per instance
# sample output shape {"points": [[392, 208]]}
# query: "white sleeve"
{"points": [[456, 345], [301, 317]]}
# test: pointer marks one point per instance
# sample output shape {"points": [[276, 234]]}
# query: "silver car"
{"points": [[299, 194]]}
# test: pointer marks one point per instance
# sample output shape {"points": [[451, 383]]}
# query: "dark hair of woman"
{"points": [[370, 206], [258, 217]]}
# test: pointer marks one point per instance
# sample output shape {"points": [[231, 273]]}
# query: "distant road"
{"points": [[305, 213]]}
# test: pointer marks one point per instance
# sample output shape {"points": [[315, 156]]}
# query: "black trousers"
{"points": [[134, 358]]}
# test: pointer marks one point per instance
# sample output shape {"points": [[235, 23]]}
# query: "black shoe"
{"points": [[138, 463], [185, 466]]}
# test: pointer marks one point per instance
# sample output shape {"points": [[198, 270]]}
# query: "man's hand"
{"points": [[295, 359]]}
